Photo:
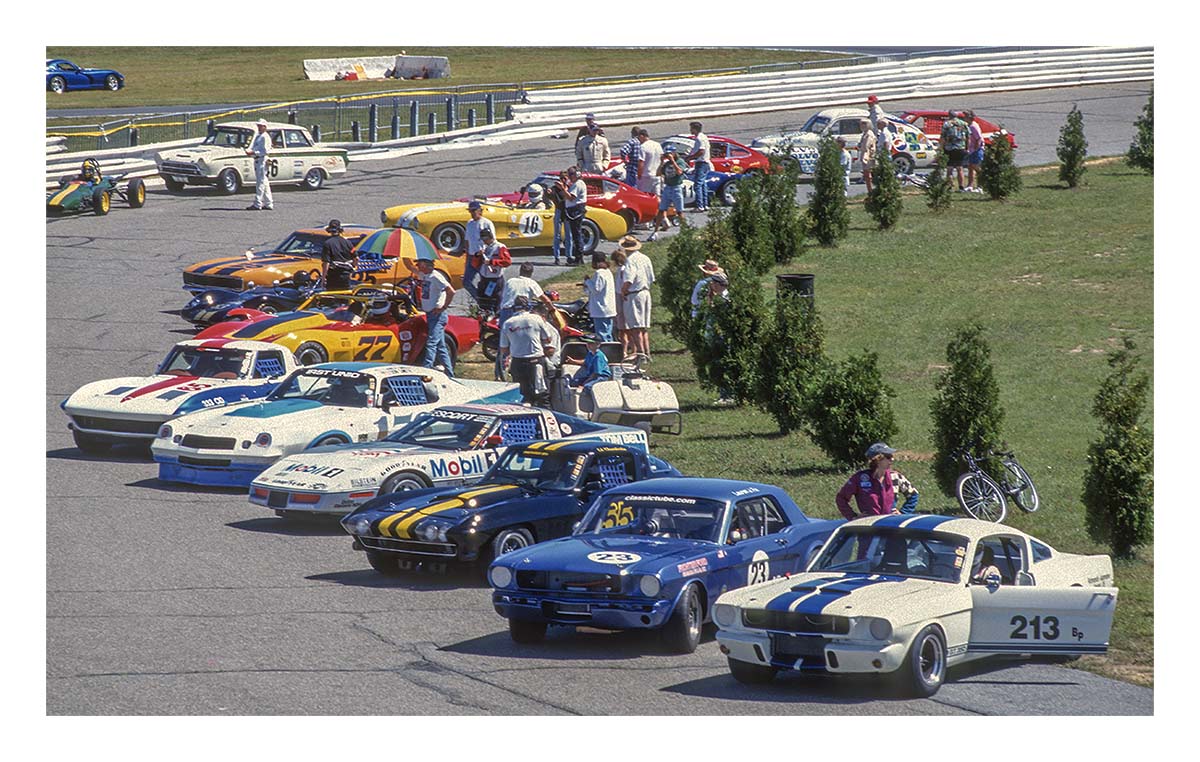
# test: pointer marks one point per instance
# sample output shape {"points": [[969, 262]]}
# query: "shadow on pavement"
{"points": [[417, 580], [568, 643], [118, 454], [290, 527], [162, 486]]}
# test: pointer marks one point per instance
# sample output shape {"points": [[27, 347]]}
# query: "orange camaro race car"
{"points": [[301, 251], [343, 326]]}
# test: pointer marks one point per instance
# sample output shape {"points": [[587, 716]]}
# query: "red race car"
{"points": [[728, 155], [930, 122], [604, 192]]}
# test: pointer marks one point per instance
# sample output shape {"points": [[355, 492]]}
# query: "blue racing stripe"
{"points": [[928, 523], [265, 262], [892, 521], [259, 327]]}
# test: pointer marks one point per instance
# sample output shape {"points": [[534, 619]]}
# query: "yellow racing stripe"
{"points": [[62, 194], [401, 529]]}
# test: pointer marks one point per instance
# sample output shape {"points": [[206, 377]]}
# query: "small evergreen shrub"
{"points": [[939, 189], [966, 411], [793, 359], [828, 216], [848, 409], [884, 202], [998, 175], [726, 337], [1141, 151], [1072, 149]]}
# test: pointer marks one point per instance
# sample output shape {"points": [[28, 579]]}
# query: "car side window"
{"points": [[849, 127], [1007, 555], [738, 153], [611, 469], [1041, 552], [276, 139], [295, 139], [525, 428], [757, 517], [609, 187], [718, 150], [594, 187], [268, 365]]}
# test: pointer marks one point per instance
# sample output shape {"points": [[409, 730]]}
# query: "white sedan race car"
{"points": [[907, 596], [910, 147], [195, 375], [447, 447], [331, 403]]}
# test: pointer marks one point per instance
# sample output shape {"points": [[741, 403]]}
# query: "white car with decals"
{"points": [[449, 446], [907, 596], [331, 403], [910, 147], [195, 375]]}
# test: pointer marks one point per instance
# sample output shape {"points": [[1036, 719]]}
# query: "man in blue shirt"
{"points": [[594, 369]]}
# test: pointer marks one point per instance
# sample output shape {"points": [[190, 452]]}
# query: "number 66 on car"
{"points": [[906, 597]]}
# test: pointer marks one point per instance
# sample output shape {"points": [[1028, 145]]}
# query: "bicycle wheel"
{"points": [[1021, 488], [981, 497]]}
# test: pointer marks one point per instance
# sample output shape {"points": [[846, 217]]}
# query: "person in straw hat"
{"points": [[709, 268], [635, 296]]}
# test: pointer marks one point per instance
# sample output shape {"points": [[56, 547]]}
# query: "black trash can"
{"points": [[801, 283]]}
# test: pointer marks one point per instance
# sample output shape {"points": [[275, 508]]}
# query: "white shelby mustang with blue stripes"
{"points": [[449, 446], [908, 596], [326, 404]]}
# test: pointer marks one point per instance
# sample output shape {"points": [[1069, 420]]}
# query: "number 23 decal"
{"points": [[381, 343], [1043, 628]]}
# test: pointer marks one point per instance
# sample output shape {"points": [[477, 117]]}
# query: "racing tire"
{"points": [[681, 634], [268, 308], [173, 185], [385, 564], [311, 353], [751, 674], [489, 343], [631, 219], [510, 541], [728, 192], [1027, 497], [101, 202], [136, 193], [91, 445], [904, 164], [522, 631], [450, 236], [112, 83], [58, 85], [403, 482], [981, 497], [589, 234], [924, 668], [313, 179], [229, 181]]}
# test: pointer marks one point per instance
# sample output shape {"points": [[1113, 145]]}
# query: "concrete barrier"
{"points": [[377, 67], [421, 67]]}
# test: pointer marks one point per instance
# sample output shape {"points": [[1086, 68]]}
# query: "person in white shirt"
{"points": [[436, 293], [702, 156], [639, 276], [522, 285], [700, 290], [602, 297], [575, 209], [527, 339], [260, 148], [652, 153], [475, 227]]}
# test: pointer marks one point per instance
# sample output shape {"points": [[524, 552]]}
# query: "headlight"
{"points": [[725, 615], [263, 440], [165, 432], [881, 629], [500, 576], [359, 527], [208, 299], [649, 585]]}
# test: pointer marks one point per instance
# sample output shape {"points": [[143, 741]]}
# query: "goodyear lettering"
{"points": [[303, 468]]}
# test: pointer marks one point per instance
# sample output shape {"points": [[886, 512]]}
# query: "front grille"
{"points": [[583, 582], [414, 547], [179, 168], [208, 462], [796, 646], [277, 499], [116, 424], [791, 621], [208, 443], [196, 280]]}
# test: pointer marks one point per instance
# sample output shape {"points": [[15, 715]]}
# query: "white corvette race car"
{"points": [[450, 446], [907, 596], [331, 403], [910, 148], [195, 375]]}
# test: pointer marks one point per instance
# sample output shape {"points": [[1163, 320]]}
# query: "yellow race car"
{"points": [[445, 224], [301, 251]]}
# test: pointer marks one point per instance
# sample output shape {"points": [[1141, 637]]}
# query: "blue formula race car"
{"points": [[656, 555], [534, 492]]}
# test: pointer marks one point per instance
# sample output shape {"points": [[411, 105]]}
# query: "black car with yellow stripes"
{"points": [[534, 492]]}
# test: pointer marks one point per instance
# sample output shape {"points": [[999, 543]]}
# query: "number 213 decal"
{"points": [[1043, 628]]}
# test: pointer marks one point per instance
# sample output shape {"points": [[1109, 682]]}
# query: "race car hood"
{"points": [[279, 265], [843, 594], [333, 467], [196, 153], [396, 517], [289, 421], [160, 395], [267, 329], [405, 215], [583, 554]]}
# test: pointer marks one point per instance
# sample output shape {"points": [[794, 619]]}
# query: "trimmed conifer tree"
{"points": [[939, 189], [784, 212], [828, 216], [884, 202], [966, 411], [998, 175], [849, 408], [1072, 149], [726, 337], [750, 224], [793, 359], [677, 277], [1141, 151]]}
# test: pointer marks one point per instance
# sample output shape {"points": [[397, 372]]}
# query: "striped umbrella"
{"points": [[389, 247]]}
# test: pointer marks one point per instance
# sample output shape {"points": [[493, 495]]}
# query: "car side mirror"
{"points": [[1024, 579], [495, 440]]}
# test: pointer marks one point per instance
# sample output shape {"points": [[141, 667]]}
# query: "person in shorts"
{"points": [[672, 170], [954, 143], [974, 152]]}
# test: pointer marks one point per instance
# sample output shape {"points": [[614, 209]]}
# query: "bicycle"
{"points": [[986, 499]]}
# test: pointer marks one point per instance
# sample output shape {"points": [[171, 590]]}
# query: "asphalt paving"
{"points": [[162, 600]]}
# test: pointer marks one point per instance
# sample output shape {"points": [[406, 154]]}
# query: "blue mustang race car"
{"points": [[534, 492], [656, 555], [215, 304], [62, 75]]}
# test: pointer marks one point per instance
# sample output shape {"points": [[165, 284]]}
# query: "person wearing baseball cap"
{"points": [[338, 260], [474, 246], [526, 338], [594, 370], [874, 111], [259, 147], [874, 488]]}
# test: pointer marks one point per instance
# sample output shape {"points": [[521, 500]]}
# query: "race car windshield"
{"points": [[816, 123], [329, 387], [655, 515], [227, 137], [895, 552], [546, 471], [443, 433], [301, 243], [204, 363]]}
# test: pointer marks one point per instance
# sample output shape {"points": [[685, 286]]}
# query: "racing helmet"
{"points": [[378, 307], [535, 192], [90, 169]]}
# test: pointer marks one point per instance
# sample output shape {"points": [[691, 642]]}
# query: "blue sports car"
{"points": [[534, 492], [655, 555], [62, 75], [214, 305]]}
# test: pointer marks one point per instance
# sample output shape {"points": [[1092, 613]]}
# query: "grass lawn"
{"points": [[165, 76], [1057, 277]]}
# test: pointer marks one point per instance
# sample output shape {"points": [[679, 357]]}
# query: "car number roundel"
{"points": [[610, 557], [530, 225]]}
